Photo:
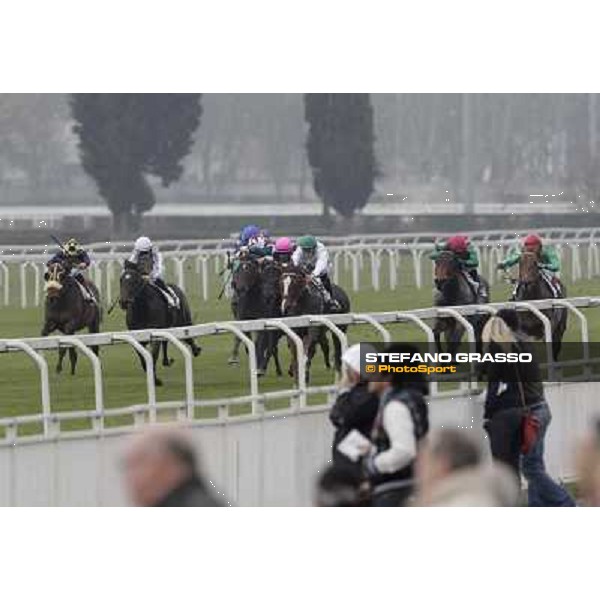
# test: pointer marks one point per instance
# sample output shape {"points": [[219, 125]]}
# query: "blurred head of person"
{"points": [[446, 451], [450, 472], [340, 486], [157, 462], [418, 381], [588, 466], [497, 331]]}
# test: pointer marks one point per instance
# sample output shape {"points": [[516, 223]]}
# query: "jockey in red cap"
{"points": [[465, 252], [548, 258]]}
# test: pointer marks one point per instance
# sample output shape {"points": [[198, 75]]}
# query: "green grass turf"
{"points": [[213, 377]]}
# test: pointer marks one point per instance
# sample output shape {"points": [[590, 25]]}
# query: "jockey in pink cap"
{"points": [[283, 250]]}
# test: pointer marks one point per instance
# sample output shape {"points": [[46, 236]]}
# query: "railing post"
{"points": [[149, 362]]}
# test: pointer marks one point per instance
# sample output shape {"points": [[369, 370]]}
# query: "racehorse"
{"points": [[532, 285], [453, 289], [299, 296], [246, 303], [147, 308], [267, 342], [67, 310]]}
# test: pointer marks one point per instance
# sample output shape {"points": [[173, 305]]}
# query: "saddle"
{"points": [[478, 288]]}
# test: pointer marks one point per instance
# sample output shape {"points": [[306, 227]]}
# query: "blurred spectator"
{"points": [[401, 422], [354, 408], [450, 473], [515, 389], [588, 467], [341, 485], [161, 470]]}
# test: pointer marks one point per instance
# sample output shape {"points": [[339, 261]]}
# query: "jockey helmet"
{"points": [[249, 232], [72, 247], [283, 245], [307, 242], [458, 244], [142, 244], [533, 241]]}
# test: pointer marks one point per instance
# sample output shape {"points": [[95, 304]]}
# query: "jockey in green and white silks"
{"points": [[468, 260], [549, 262], [314, 257]]}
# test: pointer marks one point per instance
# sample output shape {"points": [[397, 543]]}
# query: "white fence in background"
{"points": [[264, 457], [366, 261]]}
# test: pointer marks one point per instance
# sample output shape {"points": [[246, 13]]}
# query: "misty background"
{"points": [[444, 162], [251, 146]]}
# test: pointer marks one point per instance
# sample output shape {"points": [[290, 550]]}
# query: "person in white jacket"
{"points": [[145, 252], [401, 423], [313, 255]]}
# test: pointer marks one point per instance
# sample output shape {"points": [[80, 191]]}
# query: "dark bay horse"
{"points": [[246, 303], [147, 308], [453, 289], [270, 293], [67, 311], [532, 285], [299, 296]]}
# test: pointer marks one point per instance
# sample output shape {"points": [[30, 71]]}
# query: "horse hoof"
{"points": [[59, 369], [260, 372], [197, 351], [168, 363], [158, 382], [233, 361]]}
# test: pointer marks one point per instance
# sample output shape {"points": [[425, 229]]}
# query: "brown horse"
{"points": [[67, 311], [299, 296], [453, 289], [533, 284]]}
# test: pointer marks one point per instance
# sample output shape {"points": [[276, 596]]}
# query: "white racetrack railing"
{"points": [[360, 261], [298, 395]]}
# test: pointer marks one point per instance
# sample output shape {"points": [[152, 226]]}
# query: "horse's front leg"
{"points": [[155, 353]]}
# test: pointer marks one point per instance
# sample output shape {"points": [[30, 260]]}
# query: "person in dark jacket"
{"points": [[355, 406], [515, 389], [401, 423], [161, 470]]}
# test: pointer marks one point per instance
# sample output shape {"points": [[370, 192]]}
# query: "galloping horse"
{"points": [[532, 285], [67, 311], [453, 289], [270, 293], [300, 297], [147, 308], [246, 302]]}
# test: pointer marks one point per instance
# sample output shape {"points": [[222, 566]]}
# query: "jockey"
{"points": [[549, 261], [313, 255], [77, 260], [255, 241], [283, 250], [145, 250], [465, 253]]}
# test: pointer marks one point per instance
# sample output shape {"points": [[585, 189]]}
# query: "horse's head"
{"points": [[246, 276], [131, 284], [55, 279], [292, 284], [529, 271], [446, 267]]}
